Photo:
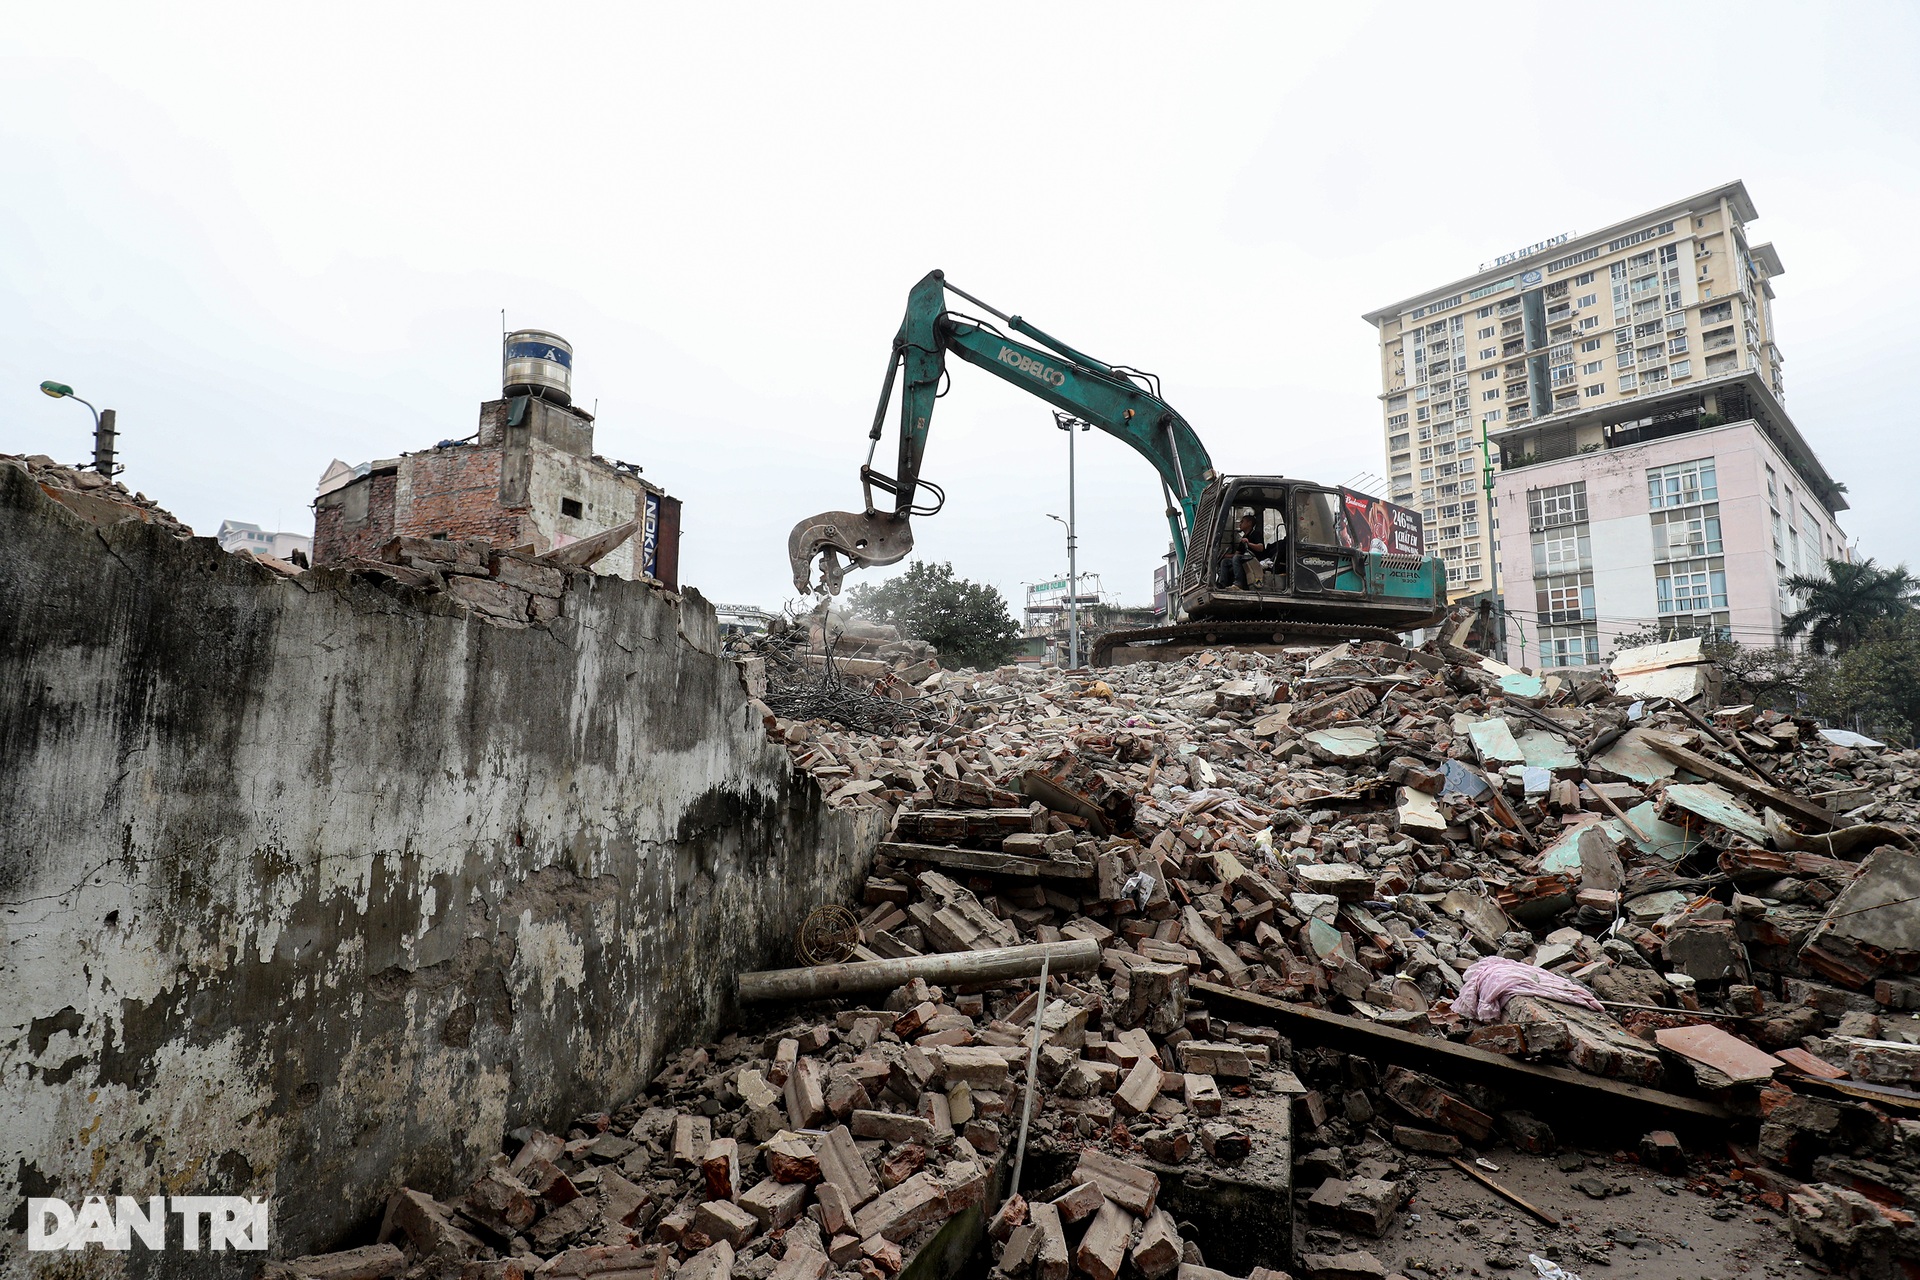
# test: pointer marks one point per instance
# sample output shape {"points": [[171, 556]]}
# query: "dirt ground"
{"points": [[1647, 1225]]}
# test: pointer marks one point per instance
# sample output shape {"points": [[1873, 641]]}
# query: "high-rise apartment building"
{"points": [[1574, 363]]}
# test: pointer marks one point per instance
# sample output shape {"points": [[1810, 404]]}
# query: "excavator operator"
{"points": [[1246, 549]]}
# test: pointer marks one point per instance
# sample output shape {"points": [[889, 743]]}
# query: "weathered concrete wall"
{"points": [[310, 888]]}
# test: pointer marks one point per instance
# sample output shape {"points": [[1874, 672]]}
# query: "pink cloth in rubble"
{"points": [[1488, 984]]}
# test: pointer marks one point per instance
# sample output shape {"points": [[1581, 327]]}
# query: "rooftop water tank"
{"points": [[538, 363]]}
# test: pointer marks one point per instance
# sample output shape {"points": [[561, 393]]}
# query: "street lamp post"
{"points": [[103, 426], [1067, 423]]}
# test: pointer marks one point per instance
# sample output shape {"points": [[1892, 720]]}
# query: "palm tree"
{"points": [[1840, 608]]}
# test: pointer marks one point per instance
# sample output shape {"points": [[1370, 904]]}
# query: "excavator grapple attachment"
{"points": [[862, 539]]}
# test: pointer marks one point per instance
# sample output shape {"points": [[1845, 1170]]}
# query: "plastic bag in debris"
{"points": [[1550, 1270], [1139, 887]]}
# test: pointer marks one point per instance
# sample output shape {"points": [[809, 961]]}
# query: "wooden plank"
{"points": [[1001, 964], [1501, 1191], [982, 860], [1694, 762], [1576, 1090]]}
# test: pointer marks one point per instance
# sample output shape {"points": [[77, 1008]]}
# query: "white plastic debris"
{"points": [[1550, 1270]]}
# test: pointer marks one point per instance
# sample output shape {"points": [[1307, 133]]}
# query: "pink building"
{"points": [[1686, 512]]}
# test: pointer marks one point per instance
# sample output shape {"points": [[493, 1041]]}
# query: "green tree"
{"points": [[968, 622], [1874, 687], [1843, 606]]}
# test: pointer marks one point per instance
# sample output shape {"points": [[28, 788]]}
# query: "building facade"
{"points": [[236, 535], [1672, 300], [528, 477], [1693, 530]]}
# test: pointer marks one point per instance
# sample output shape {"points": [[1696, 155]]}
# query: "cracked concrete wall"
{"points": [[312, 888]]}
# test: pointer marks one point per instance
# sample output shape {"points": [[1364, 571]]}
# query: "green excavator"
{"points": [[1317, 563]]}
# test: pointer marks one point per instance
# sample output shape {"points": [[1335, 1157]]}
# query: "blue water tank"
{"points": [[535, 362]]}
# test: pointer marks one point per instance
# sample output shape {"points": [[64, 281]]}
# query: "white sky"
{"points": [[270, 235]]}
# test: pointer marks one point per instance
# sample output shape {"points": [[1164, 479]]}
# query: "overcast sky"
{"points": [[272, 235]]}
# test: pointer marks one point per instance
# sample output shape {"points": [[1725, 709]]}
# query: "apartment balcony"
{"points": [[1513, 348]]}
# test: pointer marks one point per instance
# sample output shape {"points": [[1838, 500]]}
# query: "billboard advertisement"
{"points": [[1374, 524]]}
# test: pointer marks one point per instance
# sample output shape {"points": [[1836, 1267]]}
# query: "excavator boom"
{"points": [[1121, 402]]}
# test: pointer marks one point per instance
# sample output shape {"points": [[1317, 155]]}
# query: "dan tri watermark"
{"points": [[214, 1223]]}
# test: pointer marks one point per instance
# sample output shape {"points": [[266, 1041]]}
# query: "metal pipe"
{"points": [[1033, 1073], [1073, 563], [992, 310]]}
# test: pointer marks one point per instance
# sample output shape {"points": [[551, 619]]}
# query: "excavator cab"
{"points": [[1330, 555]]}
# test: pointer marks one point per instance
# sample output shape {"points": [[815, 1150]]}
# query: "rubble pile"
{"points": [[95, 498], [1711, 911]]}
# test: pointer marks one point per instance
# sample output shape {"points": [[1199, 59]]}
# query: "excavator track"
{"points": [[1226, 633]]}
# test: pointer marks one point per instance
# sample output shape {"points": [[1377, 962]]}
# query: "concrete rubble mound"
{"points": [[1359, 911], [94, 498]]}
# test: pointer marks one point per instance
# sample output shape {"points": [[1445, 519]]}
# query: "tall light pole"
{"points": [[103, 426], [1068, 423], [1073, 611]]}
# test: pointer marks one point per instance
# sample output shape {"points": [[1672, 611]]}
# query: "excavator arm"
{"points": [[1122, 402]]}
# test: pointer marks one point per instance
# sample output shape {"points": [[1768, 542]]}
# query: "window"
{"points": [[1587, 300], [1669, 253], [1569, 646], [1597, 389], [1426, 473], [1688, 534], [1690, 586], [1590, 368], [1473, 573], [1677, 346], [1682, 368], [1488, 331], [1557, 505], [1717, 312], [1682, 484], [1398, 442], [1591, 344], [1397, 420], [1565, 549], [1488, 353], [1484, 312], [1397, 402], [1489, 375], [1585, 277], [570, 507], [1589, 322], [1426, 454], [1565, 598], [1773, 491], [1493, 415], [1629, 382], [1490, 395], [1421, 414]]}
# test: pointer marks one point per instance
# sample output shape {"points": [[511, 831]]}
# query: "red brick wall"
{"points": [[334, 539], [456, 493]]}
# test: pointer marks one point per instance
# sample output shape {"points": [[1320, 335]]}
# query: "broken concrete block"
{"points": [[722, 1220], [1156, 998], [1078, 1203], [1133, 1189], [979, 1067], [895, 1214], [1103, 1249], [720, 1167], [890, 1127], [1158, 1252], [691, 1137], [715, 1262], [1365, 1205], [1355, 1265], [374, 1262], [1051, 1260], [775, 1205], [1202, 1094]]}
